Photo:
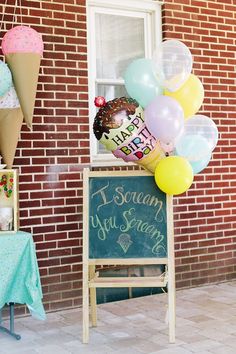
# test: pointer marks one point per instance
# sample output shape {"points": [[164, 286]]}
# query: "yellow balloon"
{"points": [[174, 175], [190, 95]]}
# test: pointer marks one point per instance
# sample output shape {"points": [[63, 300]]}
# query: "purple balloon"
{"points": [[164, 118]]}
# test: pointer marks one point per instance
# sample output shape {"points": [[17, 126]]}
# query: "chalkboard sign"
{"points": [[127, 221], [127, 216]]}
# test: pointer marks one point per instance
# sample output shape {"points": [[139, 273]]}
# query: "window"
{"points": [[119, 31]]}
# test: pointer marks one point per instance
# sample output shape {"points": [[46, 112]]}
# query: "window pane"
{"points": [[102, 149], [111, 91], [119, 40]]}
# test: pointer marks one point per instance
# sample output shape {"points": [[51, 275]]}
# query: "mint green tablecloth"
{"points": [[19, 274]]}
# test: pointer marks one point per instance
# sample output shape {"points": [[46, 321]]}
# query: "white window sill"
{"points": [[109, 161]]}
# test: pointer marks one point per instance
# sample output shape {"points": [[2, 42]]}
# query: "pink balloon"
{"points": [[22, 39], [164, 118]]}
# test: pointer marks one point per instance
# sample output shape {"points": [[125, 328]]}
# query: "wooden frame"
{"points": [[13, 200], [91, 279]]}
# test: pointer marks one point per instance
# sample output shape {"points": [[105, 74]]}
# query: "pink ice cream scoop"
{"points": [[22, 47], [22, 39]]}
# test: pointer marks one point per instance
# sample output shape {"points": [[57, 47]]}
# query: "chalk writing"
{"points": [[127, 218], [121, 197]]}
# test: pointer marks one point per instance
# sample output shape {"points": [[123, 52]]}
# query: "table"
{"points": [[19, 276]]}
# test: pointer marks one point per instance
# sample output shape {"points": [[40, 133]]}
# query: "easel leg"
{"points": [[93, 297], [171, 310], [85, 304], [171, 270], [85, 292]]}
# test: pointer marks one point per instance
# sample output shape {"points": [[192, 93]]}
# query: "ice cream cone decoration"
{"points": [[11, 118], [119, 125], [23, 48]]}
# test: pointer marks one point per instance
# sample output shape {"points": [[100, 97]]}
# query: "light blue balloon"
{"points": [[193, 147], [141, 83], [200, 165], [5, 78]]}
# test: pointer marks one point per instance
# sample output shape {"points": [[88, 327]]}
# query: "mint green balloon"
{"points": [[5, 78], [141, 83]]}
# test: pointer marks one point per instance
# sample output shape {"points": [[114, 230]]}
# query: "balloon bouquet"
{"points": [[158, 127]]}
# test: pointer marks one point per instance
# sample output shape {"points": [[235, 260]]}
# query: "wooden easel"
{"points": [[91, 278]]}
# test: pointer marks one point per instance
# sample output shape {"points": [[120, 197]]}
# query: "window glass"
{"points": [[119, 39], [118, 33], [111, 91]]}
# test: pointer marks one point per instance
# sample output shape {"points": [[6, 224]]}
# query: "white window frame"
{"points": [[150, 11]]}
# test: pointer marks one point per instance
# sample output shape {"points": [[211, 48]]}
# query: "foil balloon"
{"points": [[119, 126]]}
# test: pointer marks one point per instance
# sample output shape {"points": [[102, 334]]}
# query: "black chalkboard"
{"points": [[127, 217]]}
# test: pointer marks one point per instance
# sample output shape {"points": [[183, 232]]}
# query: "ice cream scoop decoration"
{"points": [[22, 39], [23, 48], [10, 99], [5, 78]]}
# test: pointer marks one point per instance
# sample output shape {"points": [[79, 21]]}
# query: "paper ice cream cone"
{"points": [[25, 71], [10, 126]]}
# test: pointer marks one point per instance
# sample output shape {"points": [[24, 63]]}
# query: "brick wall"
{"points": [[50, 158], [205, 218]]}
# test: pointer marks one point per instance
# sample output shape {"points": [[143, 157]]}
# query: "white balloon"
{"points": [[202, 126], [10, 99], [172, 63]]}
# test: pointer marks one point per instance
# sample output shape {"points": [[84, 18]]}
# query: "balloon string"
{"points": [[21, 17], [14, 14], [20, 12], [2, 24]]}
